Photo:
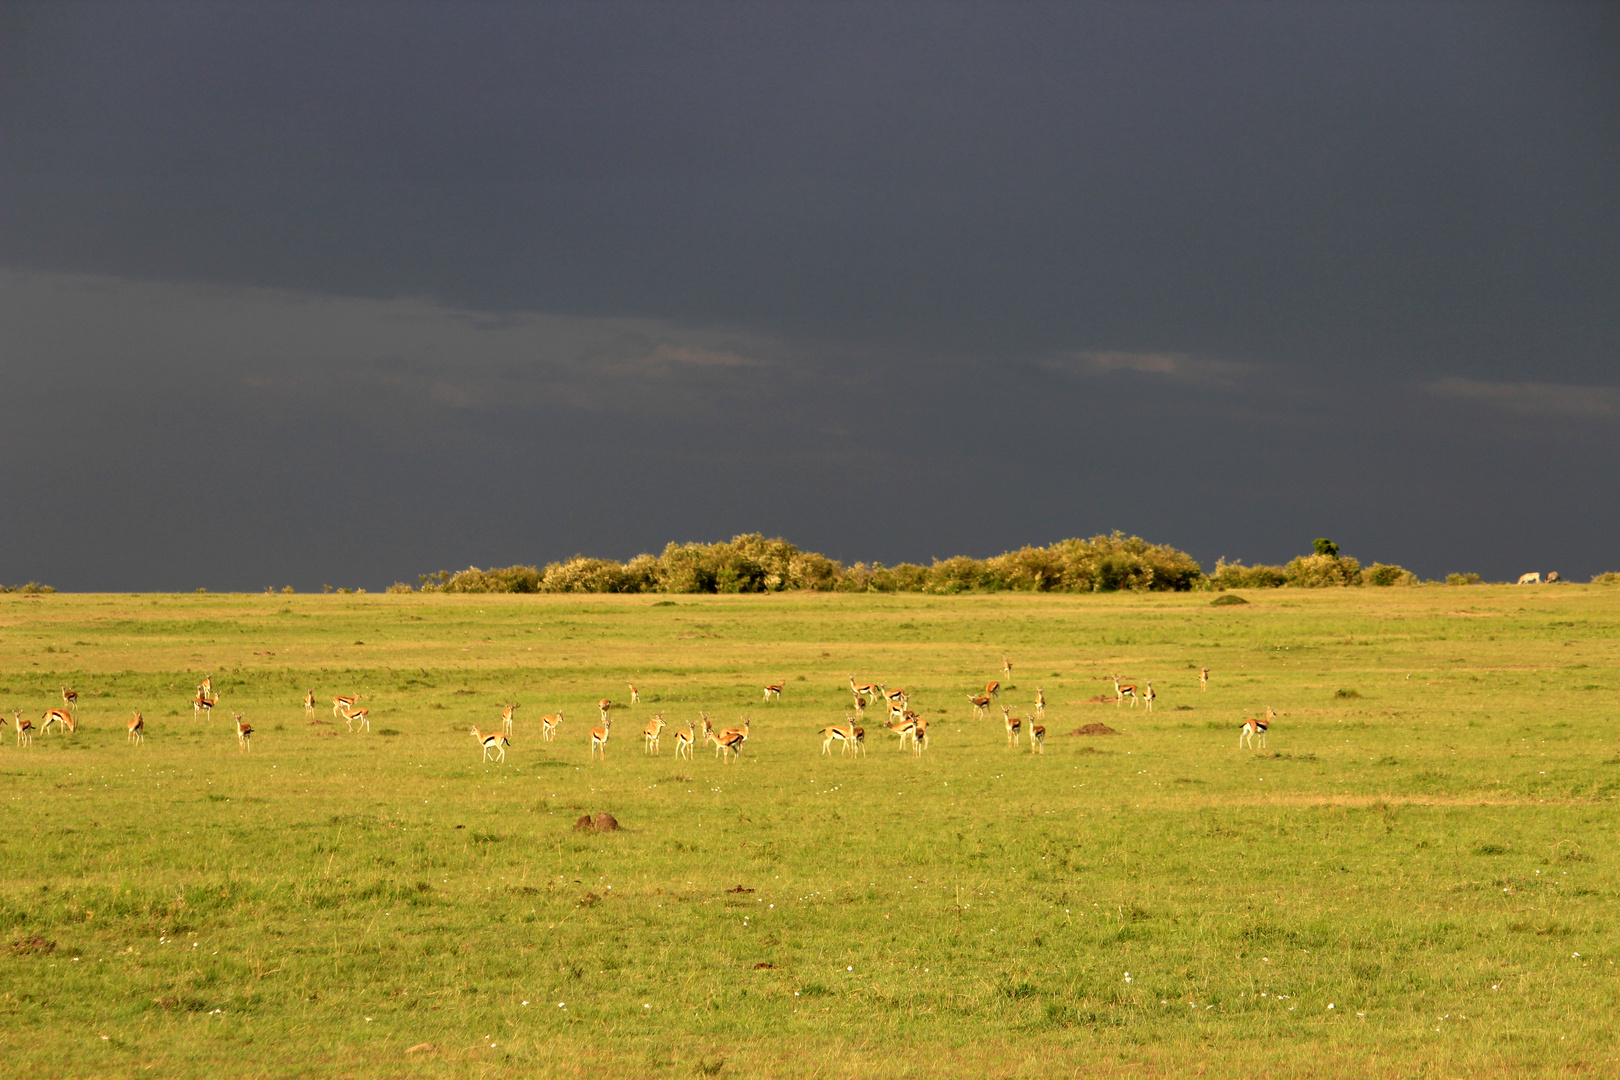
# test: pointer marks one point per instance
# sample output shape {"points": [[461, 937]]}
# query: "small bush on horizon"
{"points": [[1610, 577], [1463, 579], [1381, 575]]}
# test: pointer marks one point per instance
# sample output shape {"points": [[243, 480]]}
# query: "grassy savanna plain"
{"points": [[1416, 878]]}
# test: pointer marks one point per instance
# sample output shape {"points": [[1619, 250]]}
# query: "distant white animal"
{"points": [[1530, 579]]}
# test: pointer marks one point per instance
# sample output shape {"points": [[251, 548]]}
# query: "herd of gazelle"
{"points": [[909, 726]]}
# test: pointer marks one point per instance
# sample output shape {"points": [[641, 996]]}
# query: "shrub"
{"points": [[400, 587], [511, 579], [1463, 579], [1322, 571], [1609, 578], [1237, 576], [1324, 546], [582, 575], [1380, 575]]}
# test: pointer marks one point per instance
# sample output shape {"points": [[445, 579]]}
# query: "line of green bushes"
{"points": [[751, 563]]}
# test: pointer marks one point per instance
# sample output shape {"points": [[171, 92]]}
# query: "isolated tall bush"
{"points": [[1322, 571], [1381, 575]]}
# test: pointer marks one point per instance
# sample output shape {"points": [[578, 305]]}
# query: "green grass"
{"points": [[1427, 843]]}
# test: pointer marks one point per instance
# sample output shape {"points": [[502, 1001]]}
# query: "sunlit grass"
{"points": [[1426, 845]]}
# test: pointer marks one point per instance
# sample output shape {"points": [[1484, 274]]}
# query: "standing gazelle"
{"points": [[70, 698], [309, 706], [202, 703], [992, 689], [604, 707], [244, 731], [344, 701], [357, 716], [1254, 731], [774, 690], [980, 704], [844, 734], [25, 728], [1203, 679], [137, 728], [1124, 690], [548, 725], [506, 719], [1037, 737], [491, 741], [1013, 724], [1040, 703], [1148, 695], [1006, 669], [599, 736], [684, 740], [653, 731], [635, 695]]}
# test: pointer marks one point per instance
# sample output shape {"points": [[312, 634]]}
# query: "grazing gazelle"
{"points": [[309, 706], [202, 703], [70, 698], [1037, 737], [774, 690], [844, 734], [344, 701], [1040, 703], [865, 689], [654, 729], [137, 728], [992, 689], [980, 704], [684, 740], [599, 736], [548, 725], [1124, 690], [1203, 679], [25, 728], [61, 718], [1254, 731], [506, 718], [1013, 724], [635, 695], [357, 716], [493, 740], [1148, 695], [244, 731]]}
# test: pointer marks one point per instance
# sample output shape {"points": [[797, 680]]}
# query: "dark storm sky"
{"points": [[344, 293]]}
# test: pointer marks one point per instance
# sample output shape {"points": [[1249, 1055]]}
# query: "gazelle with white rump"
{"points": [[137, 728], [604, 706], [351, 717], [1148, 696], [1203, 680], [309, 706], [843, 734], [684, 740], [202, 703], [70, 698], [599, 736], [653, 732], [491, 741], [1037, 737], [344, 701], [1040, 703], [1254, 731], [774, 690], [866, 690], [62, 719], [980, 704], [635, 695], [506, 719], [548, 726], [992, 689], [244, 731], [1123, 691], [25, 728], [1013, 724], [1006, 669]]}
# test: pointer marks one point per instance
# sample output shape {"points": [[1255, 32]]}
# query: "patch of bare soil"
{"points": [[1094, 729]]}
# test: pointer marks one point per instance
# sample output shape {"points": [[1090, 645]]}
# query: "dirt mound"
{"points": [[1094, 729], [1100, 699]]}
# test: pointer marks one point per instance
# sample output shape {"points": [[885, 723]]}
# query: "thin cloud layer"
{"points": [[1551, 400]]}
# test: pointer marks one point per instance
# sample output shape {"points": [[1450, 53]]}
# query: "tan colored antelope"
{"points": [[207, 686], [919, 735], [604, 707], [492, 741], [739, 731], [904, 728], [867, 690], [1124, 690], [635, 695], [981, 705], [652, 732], [344, 701], [1013, 724], [309, 706], [1037, 737], [1040, 703], [992, 689], [599, 736], [731, 742], [1006, 669], [860, 741], [70, 698], [1148, 696], [137, 728], [202, 703], [684, 740], [774, 690], [1203, 680], [244, 731], [25, 728], [549, 724], [843, 734], [1254, 731], [506, 719], [351, 717], [62, 719]]}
